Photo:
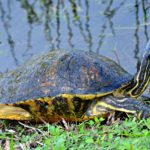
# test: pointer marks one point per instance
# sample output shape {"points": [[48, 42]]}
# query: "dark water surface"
{"points": [[118, 29]]}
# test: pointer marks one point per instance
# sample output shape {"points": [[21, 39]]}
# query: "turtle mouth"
{"points": [[14, 113]]}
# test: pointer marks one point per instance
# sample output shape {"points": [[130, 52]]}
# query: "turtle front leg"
{"points": [[108, 104]]}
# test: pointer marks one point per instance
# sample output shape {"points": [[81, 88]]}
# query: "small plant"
{"points": [[94, 134]]}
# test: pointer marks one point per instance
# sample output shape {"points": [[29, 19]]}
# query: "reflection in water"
{"points": [[30, 10], [48, 13], [145, 12], [136, 50], [32, 18], [109, 13], [89, 25], [137, 34], [70, 32], [58, 24], [6, 20], [77, 19]]}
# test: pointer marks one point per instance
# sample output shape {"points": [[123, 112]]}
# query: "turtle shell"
{"points": [[59, 72]]}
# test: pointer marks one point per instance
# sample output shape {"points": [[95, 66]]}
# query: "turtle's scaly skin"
{"points": [[64, 84]]}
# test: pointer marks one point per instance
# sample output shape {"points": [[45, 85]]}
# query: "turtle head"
{"points": [[141, 79]]}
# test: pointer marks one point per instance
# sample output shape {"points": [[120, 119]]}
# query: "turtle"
{"points": [[74, 85]]}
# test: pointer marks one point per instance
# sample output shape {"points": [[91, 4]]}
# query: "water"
{"points": [[116, 29]]}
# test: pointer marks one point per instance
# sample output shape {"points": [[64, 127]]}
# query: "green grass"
{"points": [[121, 135]]}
